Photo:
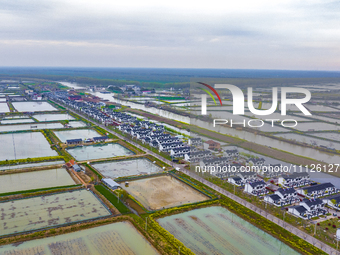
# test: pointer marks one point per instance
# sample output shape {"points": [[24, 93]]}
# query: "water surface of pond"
{"points": [[119, 168], [116, 239], [35, 180], [99, 151], [215, 230], [33, 106], [25, 145]]}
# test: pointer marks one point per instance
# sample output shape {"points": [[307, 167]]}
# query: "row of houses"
{"points": [[308, 208], [91, 109]]}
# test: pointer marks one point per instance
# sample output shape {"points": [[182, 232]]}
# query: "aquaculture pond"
{"points": [[119, 168], [215, 230], [311, 140], [76, 134], [15, 121], [32, 126], [163, 192], [4, 107], [25, 145], [33, 106], [116, 239], [99, 151], [35, 180], [335, 136], [21, 166], [50, 210], [53, 117]]}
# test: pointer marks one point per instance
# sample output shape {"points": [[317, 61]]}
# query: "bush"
{"points": [[326, 228], [334, 226], [112, 198]]}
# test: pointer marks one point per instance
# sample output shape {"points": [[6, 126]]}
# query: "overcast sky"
{"points": [[264, 34]]}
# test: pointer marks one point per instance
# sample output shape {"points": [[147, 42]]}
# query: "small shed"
{"points": [[74, 141], [110, 183]]}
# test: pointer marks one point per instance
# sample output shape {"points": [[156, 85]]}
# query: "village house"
{"points": [[308, 209], [294, 179], [255, 161], [195, 142], [236, 180], [257, 188], [211, 145], [332, 201], [231, 153], [318, 190], [282, 197]]}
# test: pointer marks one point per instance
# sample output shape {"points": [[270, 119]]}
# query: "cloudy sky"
{"points": [[264, 34]]}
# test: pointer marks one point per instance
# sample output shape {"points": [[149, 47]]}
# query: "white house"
{"points": [[283, 197], [257, 188], [332, 201], [294, 180], [318, 190], [308, 209]]}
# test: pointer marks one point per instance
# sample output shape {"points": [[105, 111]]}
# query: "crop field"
{"points": [[119, 168], [76, 134], [99, 151], [35, 180], [215, 230], [33, 106], [163, 192], [116, 239], [45, 211], [25, 145]]}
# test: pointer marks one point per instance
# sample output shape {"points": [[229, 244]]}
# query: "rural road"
{"points": [[313, 241]]}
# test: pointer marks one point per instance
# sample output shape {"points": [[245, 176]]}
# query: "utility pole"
{"points": [[146, 223], [315, 229]]}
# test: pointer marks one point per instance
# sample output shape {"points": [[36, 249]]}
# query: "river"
{"points": [[251, 137]]}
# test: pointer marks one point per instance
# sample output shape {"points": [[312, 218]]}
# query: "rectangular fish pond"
{"points": [[35, 180], [39, 212], [120, 168], [99, 151], [113, 239], [76, 134], [215, 230], [25, 145], [33, 106]]}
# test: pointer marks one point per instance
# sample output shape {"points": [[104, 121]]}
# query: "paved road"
{"points": [[326, 248]]}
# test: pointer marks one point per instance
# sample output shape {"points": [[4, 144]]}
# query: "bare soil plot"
{"points": [[163, 192]]}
